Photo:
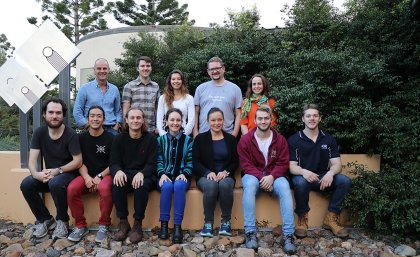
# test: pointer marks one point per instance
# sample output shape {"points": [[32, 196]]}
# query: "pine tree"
{"points": [[6, 49], [154, 12], [75, 18]]}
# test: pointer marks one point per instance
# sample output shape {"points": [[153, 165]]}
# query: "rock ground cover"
{"points": [[16, 240]]}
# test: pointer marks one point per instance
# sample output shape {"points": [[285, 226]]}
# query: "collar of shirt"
{"points": [[178, 136], [98, 86], [139, 82], [305, 137]]}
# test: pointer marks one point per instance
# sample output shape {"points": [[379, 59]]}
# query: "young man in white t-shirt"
{"points": [[264, 159]]}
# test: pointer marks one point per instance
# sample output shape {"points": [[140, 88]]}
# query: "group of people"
{"points": [[119, 153]]}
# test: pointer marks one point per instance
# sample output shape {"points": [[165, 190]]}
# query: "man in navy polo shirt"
{"points": [[316, 165]]}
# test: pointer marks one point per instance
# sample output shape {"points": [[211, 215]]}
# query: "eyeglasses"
{"points": [[215, 69]]}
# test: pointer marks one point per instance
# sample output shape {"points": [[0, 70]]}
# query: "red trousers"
{"points": [[75, 191]]}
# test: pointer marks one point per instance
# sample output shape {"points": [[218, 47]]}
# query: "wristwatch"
{"points": [[60, 170], [100, 176]]}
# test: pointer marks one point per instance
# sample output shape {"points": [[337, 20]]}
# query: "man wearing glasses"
{"points": [[221, 93]]}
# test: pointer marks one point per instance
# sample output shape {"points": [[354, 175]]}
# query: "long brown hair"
{"points": [[143, 126], [266, 86], [168, 91]]}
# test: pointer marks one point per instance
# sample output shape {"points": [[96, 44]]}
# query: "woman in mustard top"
{"points": [[255, 96]]}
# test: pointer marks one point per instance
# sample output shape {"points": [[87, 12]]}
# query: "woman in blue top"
{"points": [[174, 169]]}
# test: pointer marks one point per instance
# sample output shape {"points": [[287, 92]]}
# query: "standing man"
{"points": [[143, 93], [60, 149], [316, 165], [264, 159], [221, 93], [95, 176], [102, 93]]}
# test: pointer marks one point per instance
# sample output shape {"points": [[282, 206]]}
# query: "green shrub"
{"points": [[387, 201], [9, 143], [361, 67]]}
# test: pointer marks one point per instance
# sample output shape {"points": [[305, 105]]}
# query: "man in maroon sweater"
{"points": [[264, 159]]}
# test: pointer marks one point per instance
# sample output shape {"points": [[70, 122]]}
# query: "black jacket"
{"points": [[203, 161]]}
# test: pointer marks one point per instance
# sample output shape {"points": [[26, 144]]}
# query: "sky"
{"points": [[14, 14]]}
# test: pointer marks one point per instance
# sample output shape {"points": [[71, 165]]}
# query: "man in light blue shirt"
{"points": [[99, 92]]}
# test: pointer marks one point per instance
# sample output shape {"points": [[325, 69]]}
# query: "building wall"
{"points": [[13, 206], [108, 44]]}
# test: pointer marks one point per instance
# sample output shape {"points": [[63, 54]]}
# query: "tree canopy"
{"points": [[75, 18], [6, 49], [153, 12], [9, 122]]}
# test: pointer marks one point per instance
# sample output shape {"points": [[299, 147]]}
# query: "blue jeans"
{"points": [[111, 130], [31, 188], [211, 189], [251, 186], [340, 186], [179, 189]]}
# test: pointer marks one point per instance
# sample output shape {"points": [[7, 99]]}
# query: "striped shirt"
{"points": [[174, 155], [145, 97]]}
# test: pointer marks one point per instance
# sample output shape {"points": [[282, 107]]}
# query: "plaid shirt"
{"points": [[145, 97]]}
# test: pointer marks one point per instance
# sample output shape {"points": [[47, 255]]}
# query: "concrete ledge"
{"points": [[268, 210], [13, 206]]}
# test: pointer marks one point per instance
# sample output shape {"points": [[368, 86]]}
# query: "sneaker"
{"points": [[77, 234], [41, 228], [207, 230], [251, 240], [60, 230], [225, 229], [288, 243], [102, 233]]}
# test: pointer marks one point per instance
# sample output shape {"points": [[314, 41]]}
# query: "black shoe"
{"points": [[164, 234], [177, 237]]}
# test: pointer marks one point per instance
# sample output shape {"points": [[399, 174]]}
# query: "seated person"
{"points": [[133, 167], [94, 176], [215, 161]]}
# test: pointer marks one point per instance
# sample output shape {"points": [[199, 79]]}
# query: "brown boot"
{"points": [[302, 226], [123, 228], [136, 233], [331, 223]]}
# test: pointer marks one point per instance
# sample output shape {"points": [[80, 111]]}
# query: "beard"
{"points": [[216, 77], [263, 129], [54, 126]]}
